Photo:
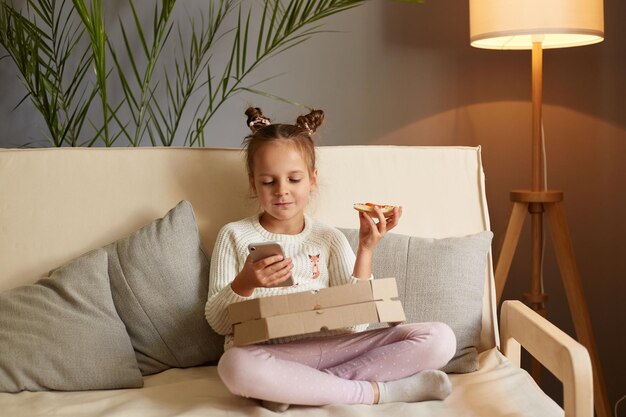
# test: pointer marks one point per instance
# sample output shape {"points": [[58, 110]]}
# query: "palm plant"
{"points": [[43, 45], [49, 35], [283, 24], [282, 27]]}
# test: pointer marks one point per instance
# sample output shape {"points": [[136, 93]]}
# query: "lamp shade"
{"points": [[516, 24]]}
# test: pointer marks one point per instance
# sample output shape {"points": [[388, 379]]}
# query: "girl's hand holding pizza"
{"points": [[375, 221]]}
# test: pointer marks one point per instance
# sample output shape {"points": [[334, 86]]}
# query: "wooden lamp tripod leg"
{"points": [[514, 228], [577, 305], [551, 202], [511, 237]]}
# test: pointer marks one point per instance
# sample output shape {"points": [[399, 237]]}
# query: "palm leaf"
{"points": [[284, 25], [137, 96], [41, 41], [93, 20]]}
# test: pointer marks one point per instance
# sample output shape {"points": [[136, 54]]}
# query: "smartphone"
{"points": [[263, 250]]}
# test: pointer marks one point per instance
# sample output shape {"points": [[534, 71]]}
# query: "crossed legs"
{"points": [[338, 369]]}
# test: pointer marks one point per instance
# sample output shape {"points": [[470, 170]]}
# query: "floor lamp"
{"points": [[538, 25]]}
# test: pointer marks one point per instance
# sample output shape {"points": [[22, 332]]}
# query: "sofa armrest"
{"points": [[567, 359]]}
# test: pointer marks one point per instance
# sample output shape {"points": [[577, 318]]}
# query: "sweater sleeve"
{"points": [[341, 261], [224, 269]]}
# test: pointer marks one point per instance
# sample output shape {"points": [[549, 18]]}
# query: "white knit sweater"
{"points": [[321, 257]]}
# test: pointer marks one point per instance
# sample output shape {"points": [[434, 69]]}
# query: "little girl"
{"points": [[342, 367]]}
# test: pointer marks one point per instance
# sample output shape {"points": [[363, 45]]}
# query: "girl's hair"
{"points": [[300, 135]]}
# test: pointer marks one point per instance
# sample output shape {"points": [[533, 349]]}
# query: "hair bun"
{"points": [[256, 120], [311, 121]]}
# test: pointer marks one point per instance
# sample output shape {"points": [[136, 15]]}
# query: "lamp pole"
{"points": [[536, 298], [537, 98], [537, 201]]}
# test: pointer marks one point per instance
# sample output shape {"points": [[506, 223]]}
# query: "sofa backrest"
{"points": [[56, 204]]}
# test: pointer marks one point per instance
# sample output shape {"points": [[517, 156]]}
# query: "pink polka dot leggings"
{"points": [[335, 369]]}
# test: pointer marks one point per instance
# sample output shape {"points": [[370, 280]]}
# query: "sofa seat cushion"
{"points": [[498, 388]]}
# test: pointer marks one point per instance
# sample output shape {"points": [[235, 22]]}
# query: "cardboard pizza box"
{"points": [[360, 292], [262, 319], [263, 329]]}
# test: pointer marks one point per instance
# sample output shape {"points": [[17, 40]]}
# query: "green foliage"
{"points": [[55, 43], [139, 100], [93, 21], [41, 44]]}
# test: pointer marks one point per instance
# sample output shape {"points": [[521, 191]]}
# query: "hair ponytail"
{"points": [[256, 120], [310, 122]]}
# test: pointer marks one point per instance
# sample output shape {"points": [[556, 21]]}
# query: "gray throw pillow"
{"points": [[159, 281], [63, 333], [438, 280]]}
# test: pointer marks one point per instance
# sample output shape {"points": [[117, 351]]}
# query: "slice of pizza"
{"points": [[369, 208]]}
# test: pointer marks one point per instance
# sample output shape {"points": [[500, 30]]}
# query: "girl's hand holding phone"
{"points": [[268, 271]]}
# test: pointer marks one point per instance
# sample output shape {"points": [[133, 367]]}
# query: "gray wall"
{"points": [[405, 74]]}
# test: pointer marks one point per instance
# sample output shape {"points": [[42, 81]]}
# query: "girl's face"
{"points": [[282, 184]]}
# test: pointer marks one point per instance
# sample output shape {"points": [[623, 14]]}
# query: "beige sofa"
{"points": [[56, 204]]}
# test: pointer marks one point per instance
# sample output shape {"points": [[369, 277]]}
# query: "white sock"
{"points": [[423, 386], [274, 406]]}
